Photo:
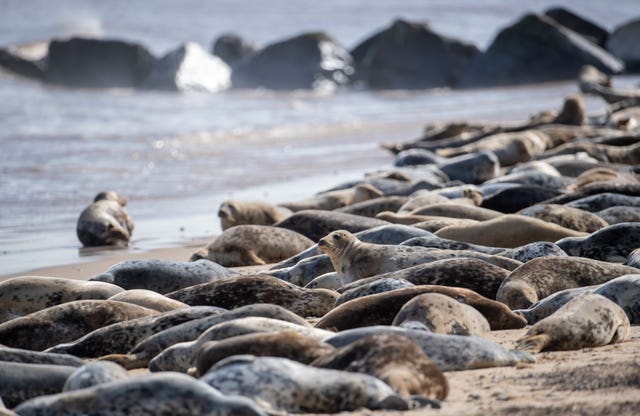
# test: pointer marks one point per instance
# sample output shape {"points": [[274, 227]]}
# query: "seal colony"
{"points": [[370, 294]]}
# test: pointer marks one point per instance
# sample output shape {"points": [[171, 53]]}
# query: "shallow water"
{"points": [[176, 157]]}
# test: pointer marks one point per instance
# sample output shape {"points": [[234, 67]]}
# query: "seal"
{"points": [[286, 344], [93, 374], [472, 167], [633, 260], [613, 243], [233, 292], [392, 358], [336, 199], [120, 337], [565, 216], [372, 286], [534, 250], [21, 382], [249, 245], [18, 355], [149, 299], [434, 225], [453, 210], [303, 272], [374, 206], [511, 199], [509, 231], [599, 202], [627, 155], [381, 308], [534, 178], [441, 314], [541, 277], [477, 275], [232, 213], [105, 221], [315, 224], [162, 276], [449, 352], [177, 394], [446, 244], [23, 295], [63, 323], [284, 385], [144, 351], [421, 199], [354, 259], [410, 219], [588, 321], [329, 281], [618, 214]]}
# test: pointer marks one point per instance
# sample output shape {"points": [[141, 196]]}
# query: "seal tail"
{"points": [[128, 361], [533, 343]]}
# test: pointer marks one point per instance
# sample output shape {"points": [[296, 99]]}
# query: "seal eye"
{"points": [[337, 237]]}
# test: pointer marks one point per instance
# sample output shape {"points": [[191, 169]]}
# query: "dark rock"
{"points": [[579, 24], [189, 68], [97, 63], [536, 49], [232, 48], [19, 65], [307, 61], [623, 44], [411, 56]]}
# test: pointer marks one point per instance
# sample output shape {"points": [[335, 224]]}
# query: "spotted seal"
{"points": [[441, 314], [618, 214], [63, 323], [566, 216], [21, 382], [603, 201], [381, 308], [446, 244], [19, 355], [105, 221], [23, 295], [93, 374], [589, 320], [285, 385], [372, 286], [508, 231], [232, 213], [287, 344], [392, 358], [176, 394], [336, 199], [613, 243], [149, 299], [243, 290], [534, 250], [543, 276], [248, 245], [162, 276], [633, 259]]}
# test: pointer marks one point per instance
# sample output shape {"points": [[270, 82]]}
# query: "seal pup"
{"points": [[508, 231], [105, 221], [63, 323], [162, 276], [232, 213], [286, 344], [588, 321], [441, 314], [392, 358], [315, 224], [18, 355], [93, 374], [23, 295], [449, 352], [149, 299], [336, 199], [176, 394], [613, 243], [250, 245], [381, 308], [233, 292], [279, 384], [566, 216], [539, 278], [21, 382]]}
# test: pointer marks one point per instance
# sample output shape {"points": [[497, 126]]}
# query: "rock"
{"points": [[536, 49], [623, 44], [307, 61], [97, 63], [579, 24], [232, 48], [189, 68], [410, 55]]}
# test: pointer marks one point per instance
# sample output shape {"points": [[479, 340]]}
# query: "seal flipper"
{"points": [[250, 258], [128, 361], [534, 343]]}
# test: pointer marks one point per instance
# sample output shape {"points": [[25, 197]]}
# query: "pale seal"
{"points": [[176, 394], [453, 210], [508, 231], [249, 245], [512, 199], [105, 221], [286, 385], [434, 225], [446, 244], [149, 299], [392, 358], [93, 374], [374, 206], [613, 243], [543, 276], [566, 216], [232, 213], [381, 308], [441, 314], [64, 323], [589, 320], [23, 295], [162, 276], [21, 382], [286, 344], [233, 292], [336, 199]]}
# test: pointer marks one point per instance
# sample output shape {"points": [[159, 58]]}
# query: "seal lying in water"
{"points": [[105, 221]]}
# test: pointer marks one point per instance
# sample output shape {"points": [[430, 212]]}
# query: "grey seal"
{"points": [[613, 243], [566, 216], [93, 374], [336, 199], [148, 299], [21, 382], [105, 221], [19, 355], [232, 213]]}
